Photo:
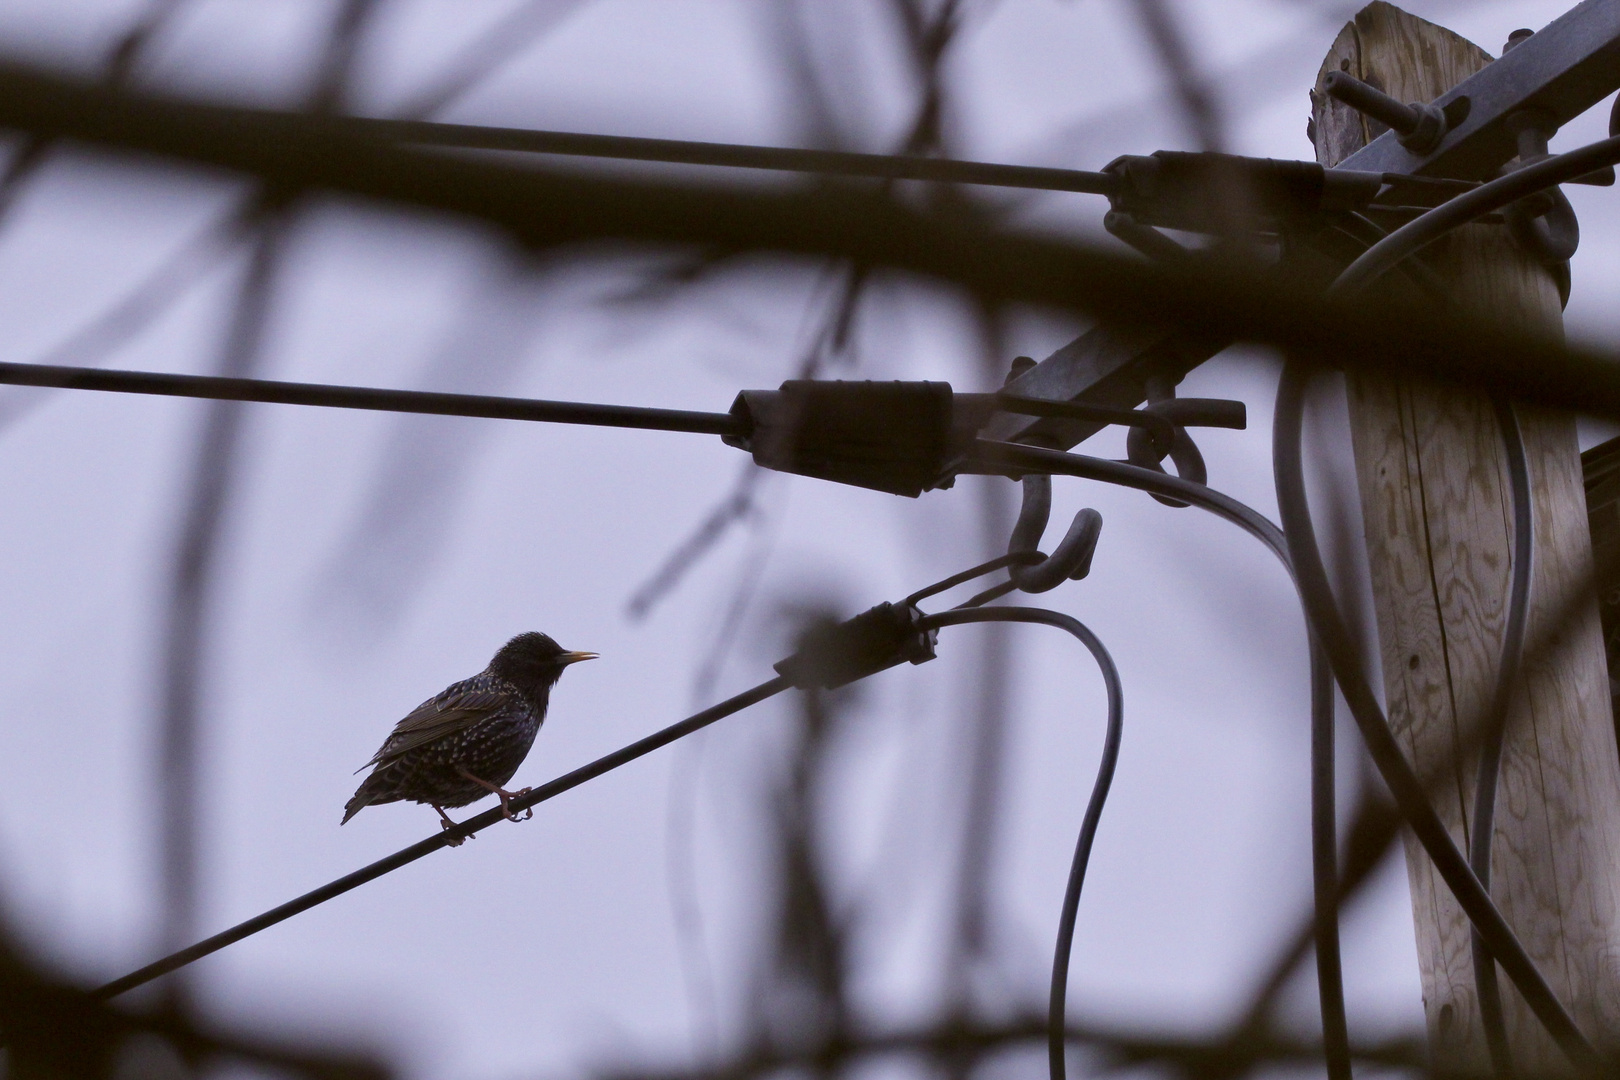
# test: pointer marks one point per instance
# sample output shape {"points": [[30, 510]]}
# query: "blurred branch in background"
{"points": [[119, 67], [409, 512], [813, 49], [831, 344], [136, 310], [187, 614], [1215, 298], [504, 41], [971, 960], [1112, 1051], [405, 521], [1199, 107], [215, 474], [52, 1031], [800, 993]]}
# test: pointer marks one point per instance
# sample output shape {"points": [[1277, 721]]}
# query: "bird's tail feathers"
{"points": [[360, 801], [371, 790]]}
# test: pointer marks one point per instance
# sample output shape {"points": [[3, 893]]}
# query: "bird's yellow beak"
{"points": [[576, 657]]}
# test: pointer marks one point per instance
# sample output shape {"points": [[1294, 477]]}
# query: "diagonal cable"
{"points": [[406, 856]]}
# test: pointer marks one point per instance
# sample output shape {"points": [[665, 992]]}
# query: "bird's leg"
{"points": [[446, 824], [506, 796]]}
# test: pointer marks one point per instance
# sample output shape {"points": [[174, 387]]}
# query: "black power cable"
{"points": [[1094, 806], [1001, 457], [1395, 250], [1490, 755], [1325, 870], [732, 155], [1328, 623], [1501, 192], [1299, 553], [164, 384]]}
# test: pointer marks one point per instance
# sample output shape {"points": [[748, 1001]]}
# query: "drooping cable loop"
{"points": [[1298, 553], [1057, 1006], [1149, 453]]}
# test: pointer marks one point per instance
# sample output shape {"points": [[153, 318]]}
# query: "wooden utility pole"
{"points": [[1438, 521]]}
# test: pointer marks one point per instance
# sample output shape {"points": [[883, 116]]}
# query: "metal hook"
{"points": [[1141, 451], [1548, 233], [1544, 224], [1071, 560]]}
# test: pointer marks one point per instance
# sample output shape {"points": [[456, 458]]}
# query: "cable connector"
{"points": [[1201, 192], [888, 436], [836, 654], [909, 437]]}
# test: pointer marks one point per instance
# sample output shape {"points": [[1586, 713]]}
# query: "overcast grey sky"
{"points": [[368, 560]]}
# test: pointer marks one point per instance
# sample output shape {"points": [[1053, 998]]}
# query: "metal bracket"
{"points": [[1563, 70]]}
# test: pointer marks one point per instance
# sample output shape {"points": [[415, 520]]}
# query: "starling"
{"points": [[467, 742]]}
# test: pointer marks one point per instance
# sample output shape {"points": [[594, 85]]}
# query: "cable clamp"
{"points": [[836, 654], [888, 436]]}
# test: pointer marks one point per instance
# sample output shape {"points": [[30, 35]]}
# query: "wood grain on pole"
{"points": [[1438, 522]]}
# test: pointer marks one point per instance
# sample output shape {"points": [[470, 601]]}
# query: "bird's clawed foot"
{"points": [[506, 796], [447, 825]]}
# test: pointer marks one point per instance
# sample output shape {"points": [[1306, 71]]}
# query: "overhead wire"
{"points": [[165, 384], [548, 208], [445, 838], [728, 155]]}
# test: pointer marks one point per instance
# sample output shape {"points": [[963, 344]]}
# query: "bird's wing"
{"points": [[459, 707]]}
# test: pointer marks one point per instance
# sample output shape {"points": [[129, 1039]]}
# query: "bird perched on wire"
{"points": [[467, 742]]}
